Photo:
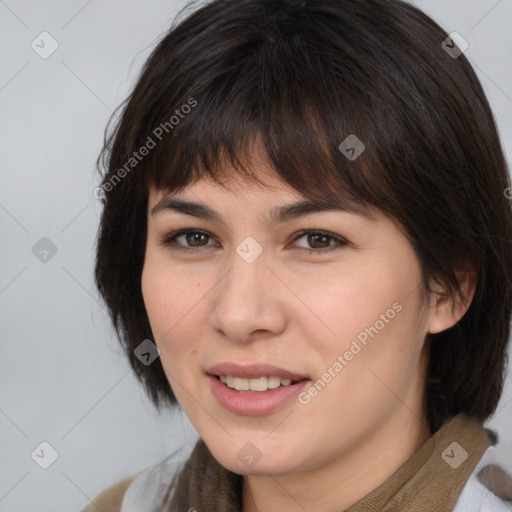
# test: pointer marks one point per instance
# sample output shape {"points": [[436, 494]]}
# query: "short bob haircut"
{"points": [[300, 77]]}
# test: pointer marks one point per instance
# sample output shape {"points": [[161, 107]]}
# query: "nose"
{"points": [[246, 304]]}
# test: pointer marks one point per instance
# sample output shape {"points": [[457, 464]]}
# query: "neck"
{"points": [[345, 479]]}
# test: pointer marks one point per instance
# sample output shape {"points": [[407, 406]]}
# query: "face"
{"points": [[329, 299]]}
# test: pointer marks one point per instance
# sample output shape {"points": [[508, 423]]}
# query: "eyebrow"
{"points": [[277, 215]]}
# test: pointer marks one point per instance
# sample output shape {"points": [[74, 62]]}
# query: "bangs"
{"points": [[275, 92]]}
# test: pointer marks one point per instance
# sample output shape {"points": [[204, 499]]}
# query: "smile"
{"points": [[257, 385], [250, 402]]}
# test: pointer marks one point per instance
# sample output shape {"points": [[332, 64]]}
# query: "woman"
{"points": [[306, 244]]}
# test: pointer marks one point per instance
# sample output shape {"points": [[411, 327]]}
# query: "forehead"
{"points": [[231, 184]]}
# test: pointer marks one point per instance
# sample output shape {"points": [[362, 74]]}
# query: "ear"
{"points": [[447, 309]]}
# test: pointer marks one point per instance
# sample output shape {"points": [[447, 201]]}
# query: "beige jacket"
{"points": [[110, 500]]}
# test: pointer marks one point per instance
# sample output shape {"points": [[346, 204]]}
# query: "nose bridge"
{"points": [[242, 287], [244, 301], [248, 265]]}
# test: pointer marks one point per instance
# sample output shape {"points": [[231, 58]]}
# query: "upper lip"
{"points": [[253, 370]]}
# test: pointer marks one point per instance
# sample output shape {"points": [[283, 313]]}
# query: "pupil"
{"points": [[195, 237], [315, 239]]}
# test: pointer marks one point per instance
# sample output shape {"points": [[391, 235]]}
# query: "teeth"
{"points": [[274, 382], [241, 384], [257, 384]]}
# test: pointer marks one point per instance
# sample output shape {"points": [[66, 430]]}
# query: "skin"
{"points": [[300, 312]]}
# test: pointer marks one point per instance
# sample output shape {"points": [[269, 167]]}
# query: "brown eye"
{"points": [[319, 242], [194, 238], [187, 239]]}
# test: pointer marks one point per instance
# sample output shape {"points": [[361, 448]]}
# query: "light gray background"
{"points": [[62, 376]]}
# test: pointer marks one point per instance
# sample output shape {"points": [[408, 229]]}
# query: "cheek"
{"points": [[169, 303], [157, 298], [174, 304], [169, 297], [346, 304], [370, 317]]}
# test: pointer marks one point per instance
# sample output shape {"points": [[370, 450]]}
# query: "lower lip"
{"points": [[254, 404]]}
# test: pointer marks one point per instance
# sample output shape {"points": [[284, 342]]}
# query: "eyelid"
{"points": [[337, 238], [173, 235], [170, 238]]}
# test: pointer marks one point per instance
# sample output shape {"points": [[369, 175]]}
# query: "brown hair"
{"points": [[302, 76]]}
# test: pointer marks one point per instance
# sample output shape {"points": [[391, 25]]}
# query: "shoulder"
{"points": [[110, 499], [489, 488], [144, 491], [149, 489]]}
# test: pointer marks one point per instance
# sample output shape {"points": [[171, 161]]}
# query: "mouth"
{"points": [[254, 377], [255, 385], [255, 389]]}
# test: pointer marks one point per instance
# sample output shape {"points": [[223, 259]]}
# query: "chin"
{"points": [[249, 460], [259, 469]]}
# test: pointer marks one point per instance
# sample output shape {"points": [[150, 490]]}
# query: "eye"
{"points": [[193, 236], [321, 239], [194, 240]]}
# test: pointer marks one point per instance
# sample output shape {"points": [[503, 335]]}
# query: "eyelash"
{"points": [[171, 238]]}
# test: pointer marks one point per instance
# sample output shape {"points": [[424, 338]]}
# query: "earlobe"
{"points": [[446, 306]]}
